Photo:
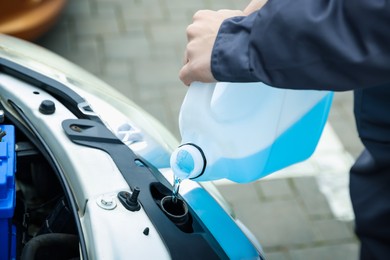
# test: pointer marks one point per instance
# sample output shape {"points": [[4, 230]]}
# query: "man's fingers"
{"points": [[185, 58], [185, 75], [190, 32], [201, 13], [201, 37], [193, 30]]}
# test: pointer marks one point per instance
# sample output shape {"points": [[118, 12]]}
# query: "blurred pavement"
{"points": [[136, 46]]}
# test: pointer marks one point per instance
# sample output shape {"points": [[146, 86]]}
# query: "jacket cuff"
{"points": [[230, 54]]}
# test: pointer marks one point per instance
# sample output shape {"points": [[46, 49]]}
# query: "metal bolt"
{"points": [[76, 128], [106, 202]]}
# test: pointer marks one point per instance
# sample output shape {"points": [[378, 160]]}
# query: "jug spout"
{"points": [[188, 161]]}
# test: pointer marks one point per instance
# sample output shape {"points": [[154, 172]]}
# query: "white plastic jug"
{"points": [[244, 131]]}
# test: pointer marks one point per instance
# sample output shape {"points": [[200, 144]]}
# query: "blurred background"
{"points": [[137, 46]]}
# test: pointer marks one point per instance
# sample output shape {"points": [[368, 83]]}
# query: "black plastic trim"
{"points": [[63, 93], [181, 245]]}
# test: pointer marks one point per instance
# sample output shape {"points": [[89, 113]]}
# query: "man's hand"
{"points": [[201, 35]]}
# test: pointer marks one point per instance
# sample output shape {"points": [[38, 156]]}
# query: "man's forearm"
{"points": [[326, 44]]}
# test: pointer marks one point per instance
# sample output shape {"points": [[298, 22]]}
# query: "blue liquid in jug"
{"points": [[278, 155]]}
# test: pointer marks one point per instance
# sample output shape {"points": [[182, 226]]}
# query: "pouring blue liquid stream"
{"points": [[176, 187]]}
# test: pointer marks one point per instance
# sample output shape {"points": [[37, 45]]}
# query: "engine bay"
{"points": [[71, 188], [42, 225]]}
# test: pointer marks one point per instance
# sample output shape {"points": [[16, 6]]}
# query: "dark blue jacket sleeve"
{"points": [[305, 44]]}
